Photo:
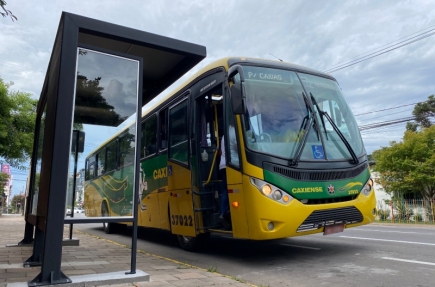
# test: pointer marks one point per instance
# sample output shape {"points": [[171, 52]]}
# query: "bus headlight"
{"points": [[367, 187], [266, 189], [271, 191], [277, 195]]}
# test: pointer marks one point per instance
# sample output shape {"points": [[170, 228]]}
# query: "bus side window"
{"points": [[92, 167], [178, 133], [87, 169], [111, 157], [163, 118], [149, 139], [101, 161], [127, 147]]}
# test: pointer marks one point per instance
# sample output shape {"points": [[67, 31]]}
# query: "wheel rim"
{"points": [[185, 239], [105, 213]]}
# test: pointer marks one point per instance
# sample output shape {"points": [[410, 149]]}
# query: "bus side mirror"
{"points": [[237, 99], [237, 90]]}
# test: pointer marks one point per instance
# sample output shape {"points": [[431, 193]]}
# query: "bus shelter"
{"points": [[99, 77]]}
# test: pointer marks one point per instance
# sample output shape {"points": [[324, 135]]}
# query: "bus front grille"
{"points": [[315, 175], [320, 218], [329, 200]]}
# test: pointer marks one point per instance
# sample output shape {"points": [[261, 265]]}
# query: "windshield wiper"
{"points": [[307, 122], [336, 129]]}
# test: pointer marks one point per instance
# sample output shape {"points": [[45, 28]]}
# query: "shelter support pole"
{"points": [[38, 245]]}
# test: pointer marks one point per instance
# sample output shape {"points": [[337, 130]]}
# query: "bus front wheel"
{"points": [[108, 227], [190, 243]]}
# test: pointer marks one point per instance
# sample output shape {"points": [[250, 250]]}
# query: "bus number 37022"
{"points": [[182, 220]]}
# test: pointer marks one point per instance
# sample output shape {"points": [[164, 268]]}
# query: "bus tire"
{"points": [[190, 243], [107, 227]]}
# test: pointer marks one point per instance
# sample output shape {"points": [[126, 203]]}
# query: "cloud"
{"points": [[316, 34]]}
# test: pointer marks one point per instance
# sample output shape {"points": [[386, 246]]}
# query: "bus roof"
{"points": [[224, 63]]}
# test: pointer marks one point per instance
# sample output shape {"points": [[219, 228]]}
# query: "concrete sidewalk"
{"points": [[97, 256]]}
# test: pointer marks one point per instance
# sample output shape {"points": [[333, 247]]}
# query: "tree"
{"points": [[17, 124], [3, 179], [409, 166], [423, 112], [89, 98], [17, 202], [6, 12]]}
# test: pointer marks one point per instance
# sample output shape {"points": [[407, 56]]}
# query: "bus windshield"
{"points": [[277, 113]]}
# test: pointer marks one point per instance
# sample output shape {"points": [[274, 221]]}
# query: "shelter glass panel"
{"points": [[101, 172], [35, 191]]}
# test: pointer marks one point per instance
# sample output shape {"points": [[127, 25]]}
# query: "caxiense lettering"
{"points": [[160, 173], [307, 189]]}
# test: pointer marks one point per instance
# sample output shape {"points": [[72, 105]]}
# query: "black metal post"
{"points": [[38, 247], [28, 234], [134, 239], [137, 170], [76, 135]]}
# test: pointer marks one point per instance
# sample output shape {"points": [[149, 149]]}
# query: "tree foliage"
{"points": [[17, 202], [409, 166], [6, 12], [423, 113], [17, 124], [89, 97], [4, 177]]}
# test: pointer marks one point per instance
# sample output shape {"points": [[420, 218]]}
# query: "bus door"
{"points": [[181, 214], [208, 127]]}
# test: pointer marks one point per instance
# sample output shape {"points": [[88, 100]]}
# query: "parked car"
{"points": [[78, 210], [68, 211]]}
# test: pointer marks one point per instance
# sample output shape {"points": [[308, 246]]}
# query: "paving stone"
{"points": [[191, 275], [154, 284], [13, 275], [188, 282], [89, 257], [165, 267], [164, 277]]}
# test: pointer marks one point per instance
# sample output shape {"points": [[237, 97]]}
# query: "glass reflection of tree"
{"points": [[127, 147], [111, 157], [38, 164], [91, 106]]}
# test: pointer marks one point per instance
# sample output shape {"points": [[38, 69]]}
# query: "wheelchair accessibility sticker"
{"points": [[318, 152], [169, 170]]}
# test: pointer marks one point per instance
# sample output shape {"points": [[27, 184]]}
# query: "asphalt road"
{"points": [[372, 255]]}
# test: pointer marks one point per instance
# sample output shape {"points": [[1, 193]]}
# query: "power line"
{"points": [[389, 114], [385, 123], [372, 55], [387, 109], [394, 127], [356, 57]]}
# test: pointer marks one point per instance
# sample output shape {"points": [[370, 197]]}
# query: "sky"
{"points": [[316, 34]]}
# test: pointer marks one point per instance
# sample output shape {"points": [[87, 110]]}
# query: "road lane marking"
{"points": [[300, 246], [409, 261], [363, 229], [389, 240]]}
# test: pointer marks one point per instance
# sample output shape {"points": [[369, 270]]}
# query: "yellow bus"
{"points": [[295, 162]]}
